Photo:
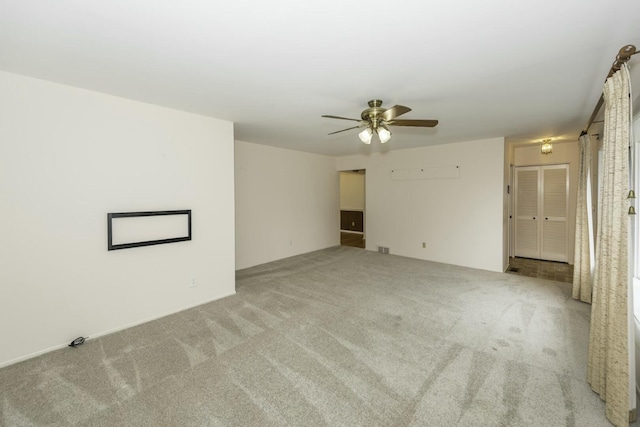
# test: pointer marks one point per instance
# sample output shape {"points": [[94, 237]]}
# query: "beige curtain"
{"points": [[583, 254], [608, 364]]}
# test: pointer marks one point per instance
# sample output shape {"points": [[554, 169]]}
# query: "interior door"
{"points": [[541, 207], [526, 227], [554, 213]]}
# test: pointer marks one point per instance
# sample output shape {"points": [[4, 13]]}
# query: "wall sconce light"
{"points": [[546, 148]]}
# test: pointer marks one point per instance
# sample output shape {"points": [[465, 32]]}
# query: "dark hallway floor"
{"points": [[550, 270], [352, 239]]}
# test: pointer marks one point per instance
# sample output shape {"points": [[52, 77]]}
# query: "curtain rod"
{"points": [[622, 57]]}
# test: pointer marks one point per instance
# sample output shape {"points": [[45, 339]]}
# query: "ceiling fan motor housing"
{"points": [[372, 114]]}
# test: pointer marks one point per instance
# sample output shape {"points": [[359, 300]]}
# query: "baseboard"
{"points": [[109, 331], [506, 268], [32, 355]]}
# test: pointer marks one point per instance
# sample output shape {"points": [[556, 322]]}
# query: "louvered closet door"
{"points": [[541, 209], [526, 212], [554, 213]]}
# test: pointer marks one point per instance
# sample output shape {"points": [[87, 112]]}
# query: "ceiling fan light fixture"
{"points": [[376, 120], [384, 134], [366, 135]]}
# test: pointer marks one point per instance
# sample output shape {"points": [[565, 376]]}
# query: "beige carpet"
{"points": [[341, 337]]}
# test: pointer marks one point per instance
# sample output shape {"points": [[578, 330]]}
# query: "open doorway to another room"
{"points": [[352, 208], [543, 193]]}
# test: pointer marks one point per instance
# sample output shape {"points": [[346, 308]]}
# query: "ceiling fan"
{"points": [[376, 119]]}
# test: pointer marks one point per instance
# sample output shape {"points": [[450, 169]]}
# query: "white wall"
{"points": [[566, 152], [460, 219], [351, 191], [68, 157], [287, 203]]}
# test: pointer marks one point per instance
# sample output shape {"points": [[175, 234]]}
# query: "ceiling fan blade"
{"points": [[342, 118], [395, 111], [338, 131], [417, 123]]}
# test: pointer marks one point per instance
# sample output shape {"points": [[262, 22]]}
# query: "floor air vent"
{"points": [[383, 250]]}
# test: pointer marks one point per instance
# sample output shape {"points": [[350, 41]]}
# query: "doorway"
{"points": [[541, 212], [352, 208]]}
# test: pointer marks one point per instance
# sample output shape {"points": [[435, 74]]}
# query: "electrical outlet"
{"points": [[424, 244], [193, 283]]}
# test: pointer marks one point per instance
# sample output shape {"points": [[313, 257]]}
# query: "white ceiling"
{"points": [[523, 70]]}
